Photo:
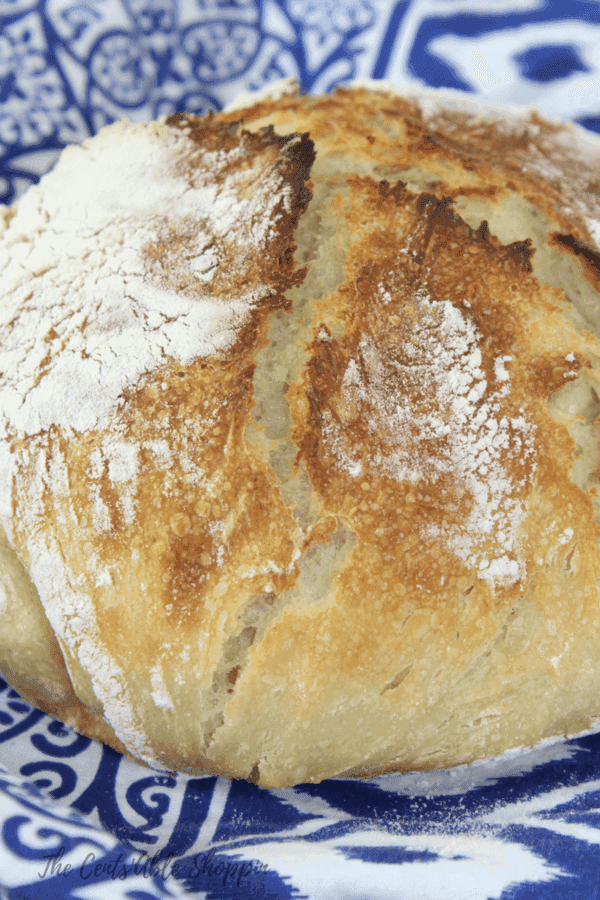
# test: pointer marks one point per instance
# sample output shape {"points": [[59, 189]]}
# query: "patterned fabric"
{"points": [[78, 821]]}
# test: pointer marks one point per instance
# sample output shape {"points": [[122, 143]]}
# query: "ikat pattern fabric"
{"points": [[79, 822]]}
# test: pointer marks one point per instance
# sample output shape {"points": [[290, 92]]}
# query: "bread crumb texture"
{"points": [[298, 438]]}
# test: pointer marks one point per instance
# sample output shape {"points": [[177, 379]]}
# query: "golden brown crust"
{"points": [[447, 262], [359, 534]]}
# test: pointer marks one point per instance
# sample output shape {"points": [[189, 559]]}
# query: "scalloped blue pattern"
{"points": [[79, 821]]}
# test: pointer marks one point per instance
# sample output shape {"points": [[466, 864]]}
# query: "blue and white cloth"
{"points": [[79, 822]]}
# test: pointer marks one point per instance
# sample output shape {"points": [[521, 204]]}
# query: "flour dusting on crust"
{"points": [[432, 413], [113, 265]]}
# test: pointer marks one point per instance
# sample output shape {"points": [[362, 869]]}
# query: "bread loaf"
{"points": [[299, 453]]}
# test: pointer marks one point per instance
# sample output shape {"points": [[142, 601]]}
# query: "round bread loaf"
{"points": [[299, 454]]}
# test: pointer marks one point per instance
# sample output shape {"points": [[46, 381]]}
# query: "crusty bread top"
{"points": [[149, 242], [293, 522], [452, 145]]}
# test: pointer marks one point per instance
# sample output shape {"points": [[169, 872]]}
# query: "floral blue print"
{"points": [[521, 828]]}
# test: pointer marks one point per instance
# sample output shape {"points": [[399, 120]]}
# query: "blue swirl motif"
{"points": [[32, 832], [70, 745], [11, 836], [50, 737], [54, 836], [16, 715], [68, 778], [64, 855], [77, 743], [147, 796], [101, 797]]}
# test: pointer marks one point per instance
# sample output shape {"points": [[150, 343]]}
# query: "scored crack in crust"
{"points": [[296, 519]]}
